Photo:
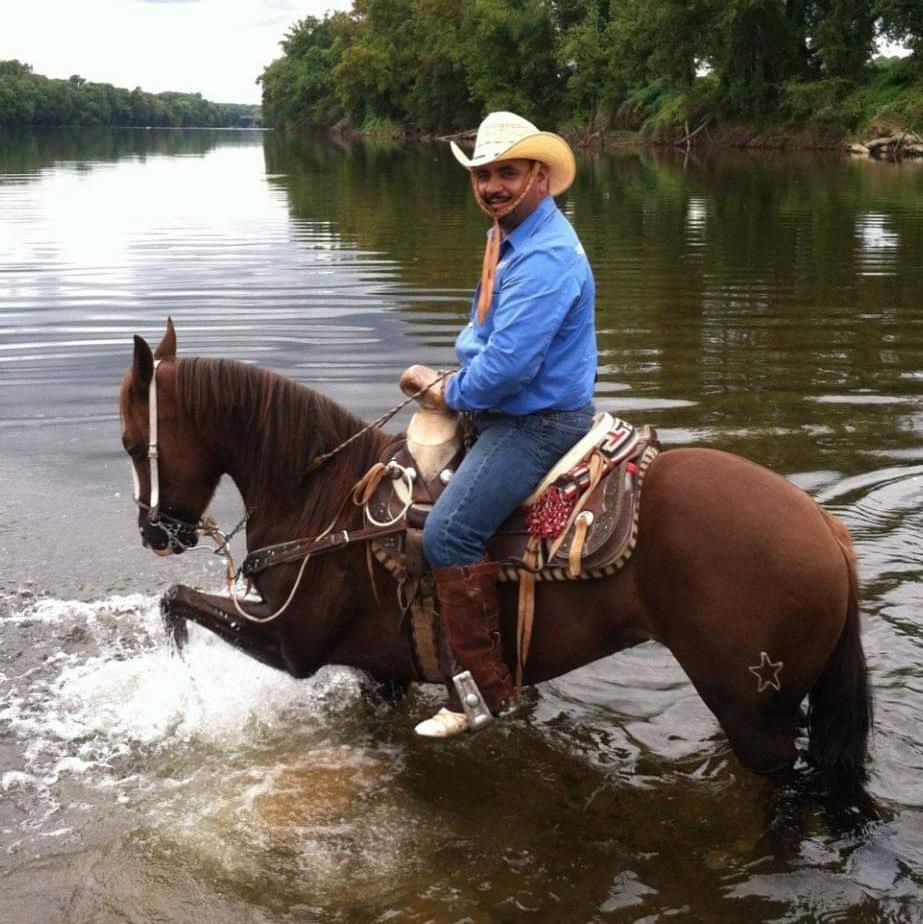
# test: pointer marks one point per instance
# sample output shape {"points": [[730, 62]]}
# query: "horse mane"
{"points": [[278, 428]]}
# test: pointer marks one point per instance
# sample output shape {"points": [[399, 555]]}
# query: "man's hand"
{"points": [[417, 377]]}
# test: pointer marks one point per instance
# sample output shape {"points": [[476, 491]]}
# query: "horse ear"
{"points": [[167, 348], [142, 371]]}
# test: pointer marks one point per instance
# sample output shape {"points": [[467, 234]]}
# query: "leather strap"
{"points": [[261, 559], [423, 636]]}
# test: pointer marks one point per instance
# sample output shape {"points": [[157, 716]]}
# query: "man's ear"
{"points": [[167, 348], [142, 370]]}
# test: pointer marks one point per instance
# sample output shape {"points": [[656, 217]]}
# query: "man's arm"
{"points": [[530, 309]]}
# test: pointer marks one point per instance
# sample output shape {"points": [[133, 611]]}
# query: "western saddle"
{"points": [[580, 523]]}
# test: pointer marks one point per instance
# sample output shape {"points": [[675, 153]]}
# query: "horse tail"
{"points": [[840, 704]]}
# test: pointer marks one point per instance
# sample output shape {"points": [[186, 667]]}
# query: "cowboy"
{"points": [[527, 370]]}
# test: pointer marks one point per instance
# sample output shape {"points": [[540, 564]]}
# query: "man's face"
{"points": [[501, 182]]}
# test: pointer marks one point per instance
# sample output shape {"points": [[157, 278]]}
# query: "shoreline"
{"points": [[889, 142]]}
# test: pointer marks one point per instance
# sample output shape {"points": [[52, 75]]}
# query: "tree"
{"points": [[842, 35], [376, 74], [582, 56], [439, 98], [299, 87], [32, 99], [902, 21], [510, 54], [754, 47], [14, 68]]}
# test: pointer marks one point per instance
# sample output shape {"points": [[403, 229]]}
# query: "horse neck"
{"points": [[265, 432], [303, 503]]}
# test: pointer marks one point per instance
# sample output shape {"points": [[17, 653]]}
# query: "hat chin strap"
{"points": [[528, 183], [492, 248]]}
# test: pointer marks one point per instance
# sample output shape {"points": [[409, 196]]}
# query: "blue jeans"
{"points": [[509, 458]]}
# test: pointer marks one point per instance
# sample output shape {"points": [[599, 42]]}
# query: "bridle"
{"points": [[256, 561], [168, 524]]}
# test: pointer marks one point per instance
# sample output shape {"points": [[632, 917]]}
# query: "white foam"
{"points": [[85, 710], [212, 751], [16, 779]]}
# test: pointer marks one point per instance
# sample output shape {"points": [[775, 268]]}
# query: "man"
{"points": [[528, 366]]}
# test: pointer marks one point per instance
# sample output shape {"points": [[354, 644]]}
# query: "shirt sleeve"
{"points": [[528, 311]]}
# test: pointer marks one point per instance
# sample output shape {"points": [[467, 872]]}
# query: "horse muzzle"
{"points": [[165, 536]]}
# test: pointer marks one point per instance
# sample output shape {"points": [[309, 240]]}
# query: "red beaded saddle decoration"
{"points": [[551, 513]]}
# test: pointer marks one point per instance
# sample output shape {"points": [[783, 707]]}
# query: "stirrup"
{"points": [[472, 701], [444, 724]]}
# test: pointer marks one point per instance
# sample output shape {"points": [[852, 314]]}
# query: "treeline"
{"points": [[27, 98], [588, 65]]}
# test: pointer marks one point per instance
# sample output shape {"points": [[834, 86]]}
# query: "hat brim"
{"points": [[547, 147]]}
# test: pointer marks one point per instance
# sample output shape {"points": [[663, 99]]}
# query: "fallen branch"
{"points": [[877, 143], [687, 138], [468, 135]]}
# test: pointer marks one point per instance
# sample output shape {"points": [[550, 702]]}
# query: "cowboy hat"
{"points": [[506, 136]]}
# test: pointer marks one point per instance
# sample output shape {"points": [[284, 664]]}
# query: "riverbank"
{"points": [[881, 140], [823, 114]]}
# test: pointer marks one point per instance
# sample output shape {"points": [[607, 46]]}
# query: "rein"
{"points": [[377, 423], [280, 552]]}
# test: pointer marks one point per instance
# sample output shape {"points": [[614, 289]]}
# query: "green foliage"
{"points": [[381, 128], [655, 40], [754, 46], [815, 100], [376, 72], [439, 65], [842, 36], [902, 21], [31, 99], [891, 98], [440, 99], [510, 58], [299, 87], [672, 111], [583, 59]]}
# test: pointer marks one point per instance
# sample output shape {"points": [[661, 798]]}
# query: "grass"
{"points": [[815, 113]]}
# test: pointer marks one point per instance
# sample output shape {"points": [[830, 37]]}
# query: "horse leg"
{"points": [[174, 624], [218, 615]]}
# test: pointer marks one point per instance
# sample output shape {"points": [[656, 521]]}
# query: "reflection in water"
{"points": [[878, 245], [764, 304]]}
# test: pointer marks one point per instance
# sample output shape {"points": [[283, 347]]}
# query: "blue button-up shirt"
{"points": [[536, 350]]}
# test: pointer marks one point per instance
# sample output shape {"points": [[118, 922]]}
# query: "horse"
{"points": [[747, 581]]}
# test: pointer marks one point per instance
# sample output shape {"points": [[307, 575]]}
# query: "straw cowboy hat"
{"points": [[505, 136]]}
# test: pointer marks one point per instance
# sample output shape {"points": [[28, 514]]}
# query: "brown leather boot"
{"points": [[469, 607]]}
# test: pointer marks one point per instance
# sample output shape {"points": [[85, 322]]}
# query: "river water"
{"points": [[771, 305]]}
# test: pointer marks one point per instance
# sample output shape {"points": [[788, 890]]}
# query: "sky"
{"points": [[214, 47]]}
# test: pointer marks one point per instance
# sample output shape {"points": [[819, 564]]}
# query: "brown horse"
{"points": [[740, 574]]}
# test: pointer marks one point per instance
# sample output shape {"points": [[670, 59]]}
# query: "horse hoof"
{"points": [[444, 724]]}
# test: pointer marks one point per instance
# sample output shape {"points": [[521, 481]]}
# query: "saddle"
{"points": [[580, 522]]}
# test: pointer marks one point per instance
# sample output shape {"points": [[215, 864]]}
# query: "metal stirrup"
{"points": [[476, 711]]}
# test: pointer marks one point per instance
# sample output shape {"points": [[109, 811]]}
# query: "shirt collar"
{"points": [[535, 218]]}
